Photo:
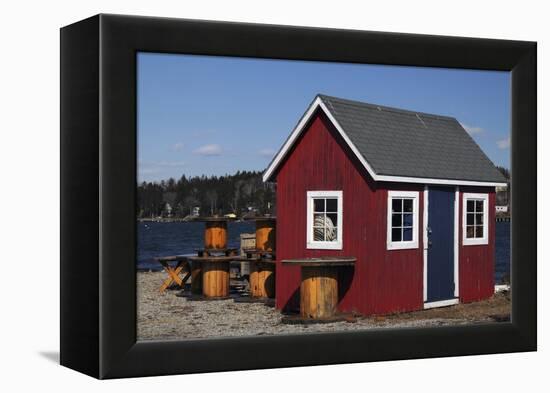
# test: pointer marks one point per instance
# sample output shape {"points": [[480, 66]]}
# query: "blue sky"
{"points": [[216, 115]]}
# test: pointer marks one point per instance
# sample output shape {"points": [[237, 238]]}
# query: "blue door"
{"points": [[440, 244]]}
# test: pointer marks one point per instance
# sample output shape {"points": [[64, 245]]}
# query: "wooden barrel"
{"points": [[215, 235], [196, 278], [265, 235], [318, 292], [262, 280], [215, 279]]}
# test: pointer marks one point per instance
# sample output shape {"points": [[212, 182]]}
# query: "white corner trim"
{"points": [[425, 238], [441, 303], [318, 245], [457, 248], [403, 245], [318, 103], [481, 240]]}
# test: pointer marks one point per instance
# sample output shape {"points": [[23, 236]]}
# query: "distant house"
{"points": [[409, 194], [169, 199], [167, 211], [502, 198]]}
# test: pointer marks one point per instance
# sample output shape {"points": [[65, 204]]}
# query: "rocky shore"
{"points": [[169, 317]]}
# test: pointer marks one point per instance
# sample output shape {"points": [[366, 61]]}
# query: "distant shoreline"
{"points": [[184, 219], [165, 219]]}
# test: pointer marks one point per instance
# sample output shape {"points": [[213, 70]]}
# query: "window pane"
{"points": [[469, 232], [397, 205], [479, 206], [332, 205], [470, 219], [470, 205], [318, 234], [319, 205], [331, 234], [318, 220], [396, 220], [479, 218], [396, 235], [408, 205], [407, 220], [479, 231], [332, 220], [407, 234]]}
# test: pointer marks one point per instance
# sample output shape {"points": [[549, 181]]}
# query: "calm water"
{"points": [[157, 239], [161, 239]]}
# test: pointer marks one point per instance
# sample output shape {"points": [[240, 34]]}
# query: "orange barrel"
{"points": [[265, 234], [215, 234], [215, 278], [262, 279], [318, 292]]}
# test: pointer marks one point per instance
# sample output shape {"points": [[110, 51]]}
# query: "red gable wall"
{"points": [[382, 281]]}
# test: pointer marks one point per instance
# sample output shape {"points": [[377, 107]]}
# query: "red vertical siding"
{"points": [[477, 263], [382, 281]]}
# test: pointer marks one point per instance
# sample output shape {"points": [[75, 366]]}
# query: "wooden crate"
{"points": [[248, 241]]}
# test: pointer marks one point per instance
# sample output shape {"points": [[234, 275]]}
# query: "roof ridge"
{"points": [[383, 107], [400, 145]]}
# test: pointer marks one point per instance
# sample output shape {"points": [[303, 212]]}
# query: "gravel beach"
{"points": [[168, 317]]}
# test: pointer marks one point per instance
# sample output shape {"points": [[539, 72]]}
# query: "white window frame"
{"points": [[478, 240], [402, 245], [324, 245]]}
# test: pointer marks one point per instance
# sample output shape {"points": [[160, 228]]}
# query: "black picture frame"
{"points": [[98, 194]]}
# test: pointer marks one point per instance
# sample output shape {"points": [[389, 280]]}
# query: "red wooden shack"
{"points": [[409, 194]]}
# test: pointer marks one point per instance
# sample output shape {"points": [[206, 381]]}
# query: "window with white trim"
{"points": [[324, 220], [402, 222], [475, 223]]}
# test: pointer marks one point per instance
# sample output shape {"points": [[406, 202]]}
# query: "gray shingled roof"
{"points": [[397, 142]]}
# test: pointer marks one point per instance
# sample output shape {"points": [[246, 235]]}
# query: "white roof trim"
{"points": [[451, 182], [290, 141], [318, 102]]}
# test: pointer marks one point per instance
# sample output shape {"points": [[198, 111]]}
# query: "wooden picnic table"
{"points": [[174, 270], [209, 252], [319, 285]]}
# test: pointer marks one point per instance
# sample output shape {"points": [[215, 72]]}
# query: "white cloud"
{"points": [[504, 143], [151, 170], [266, 152], [153, 164], [147, 171], [170, 163], [156, 167], [209, 150], [201, 133], [178, 146], [472, 130]]}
